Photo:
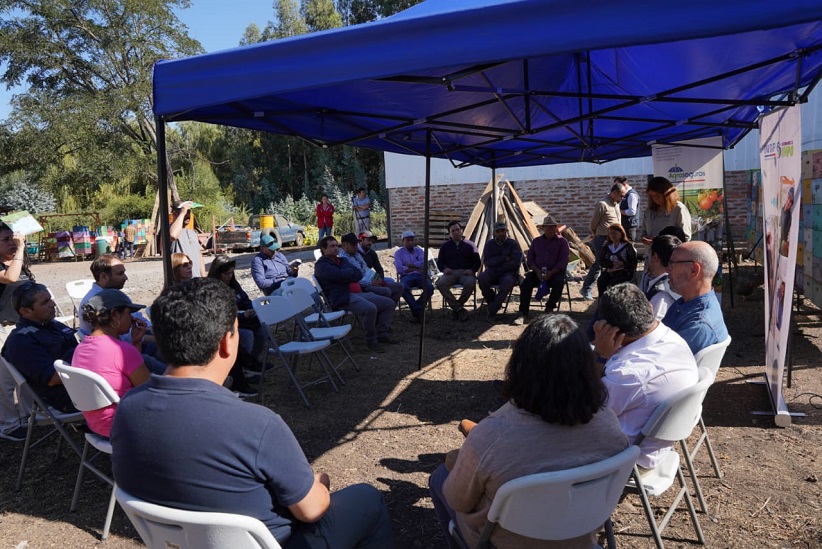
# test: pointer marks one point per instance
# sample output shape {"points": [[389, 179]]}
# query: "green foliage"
{"points": [[114, 208], [18, 191], [289, 21], [321, 15], [312, 235]]}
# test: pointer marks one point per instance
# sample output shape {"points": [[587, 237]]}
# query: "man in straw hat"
{"points": [[547, 259], [502, 257]]}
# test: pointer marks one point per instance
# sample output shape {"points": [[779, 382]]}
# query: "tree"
{"points": [[252, 35], [88, 65], [289, 21], [321, 15], [362, 11], [19, 192]]}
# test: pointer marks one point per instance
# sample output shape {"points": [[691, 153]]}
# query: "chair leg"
{"points": [[110, 512], [694, 479], [710, 448], [292, 375], [649, 512], [26, 447], [79, 483], [689, 502]]}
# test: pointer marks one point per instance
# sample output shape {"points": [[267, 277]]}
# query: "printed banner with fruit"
{"points": [[780, 135]]}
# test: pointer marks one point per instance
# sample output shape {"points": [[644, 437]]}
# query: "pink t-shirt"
{"points": [[115, 361]]}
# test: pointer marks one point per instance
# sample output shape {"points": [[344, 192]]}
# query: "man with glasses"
{"points": [[697, 315], [606, 213]]}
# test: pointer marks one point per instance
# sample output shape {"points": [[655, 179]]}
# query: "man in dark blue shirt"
{"points": [[697, 315], [39, 340], [184, 441], [502, 257], [459, 262]]}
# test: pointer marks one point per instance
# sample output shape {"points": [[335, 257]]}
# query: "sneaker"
{"points": [[522, 319], [17, 434], [586, 295]]}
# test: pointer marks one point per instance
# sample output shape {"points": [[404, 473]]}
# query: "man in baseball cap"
{"points": [[270, 267], [409, 261]]}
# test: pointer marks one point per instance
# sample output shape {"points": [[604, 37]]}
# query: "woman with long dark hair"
{"points": [[253, 337], [555, 419]]}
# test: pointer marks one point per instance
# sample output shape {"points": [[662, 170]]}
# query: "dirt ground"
{"points": [[392, 422]]}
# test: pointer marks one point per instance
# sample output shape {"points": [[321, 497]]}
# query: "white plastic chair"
{"points": [[559, 505], [89, 391], [710, 358], [317, 254], [41, 415], [302, 301], [672, 421], [163, 527], [273, 310], [68, 320], [321, 317], [77, 290]]}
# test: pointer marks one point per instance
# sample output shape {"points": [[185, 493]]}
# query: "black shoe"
{"points": [[252, 377], [463, 315]]}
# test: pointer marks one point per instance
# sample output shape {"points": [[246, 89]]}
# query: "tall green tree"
{"points": [[321, 15], [289, 21], [86, 69]]}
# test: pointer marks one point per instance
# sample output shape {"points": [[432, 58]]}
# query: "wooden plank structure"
{"points": [[500, 202], [438, 225]]}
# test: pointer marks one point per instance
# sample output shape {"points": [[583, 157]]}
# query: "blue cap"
{"points": [[268, 241]]}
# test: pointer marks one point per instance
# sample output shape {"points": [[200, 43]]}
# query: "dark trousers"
{"points": [[505, 281], [596, 247], [531, 282]]}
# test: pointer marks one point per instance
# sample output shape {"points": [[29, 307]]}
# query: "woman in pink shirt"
{"points": [[104, 353]]}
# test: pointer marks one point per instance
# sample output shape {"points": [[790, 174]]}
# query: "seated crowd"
{"points": [[568, 401]]}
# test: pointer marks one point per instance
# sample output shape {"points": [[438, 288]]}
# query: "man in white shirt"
{"points": [[643, 363]]}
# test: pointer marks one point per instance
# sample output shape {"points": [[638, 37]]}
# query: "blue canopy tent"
{"points": [[511, 82]]}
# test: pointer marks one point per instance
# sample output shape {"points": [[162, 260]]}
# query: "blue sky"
{"points": [[216, 24]]}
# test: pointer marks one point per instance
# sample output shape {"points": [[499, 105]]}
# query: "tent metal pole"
{"points": [[425, 243], [733, 266], [162, 189]]}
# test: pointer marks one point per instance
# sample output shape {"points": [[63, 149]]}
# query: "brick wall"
{"points": [[570, 201]]}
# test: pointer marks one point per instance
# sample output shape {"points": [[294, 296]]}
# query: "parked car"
{"points": [[248, 238]]}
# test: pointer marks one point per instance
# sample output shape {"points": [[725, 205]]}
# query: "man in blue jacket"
{"points": [[270, 267], [340, 283]]}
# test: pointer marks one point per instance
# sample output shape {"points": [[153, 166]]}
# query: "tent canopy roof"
{"points": [[514, 82]]}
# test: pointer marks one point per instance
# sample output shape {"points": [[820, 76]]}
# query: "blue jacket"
{"points": [[269, 272], [334, 275]]}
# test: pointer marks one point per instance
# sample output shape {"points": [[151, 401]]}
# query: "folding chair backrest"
{"points": [[302, 283], [19, 378], [88, 390], [676, 416], [317, 254], [77, 289], [272, 309], [711, 357], [163, 527], [299, 298], [564, 504]]}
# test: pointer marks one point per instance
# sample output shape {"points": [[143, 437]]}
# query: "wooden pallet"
{"points": [[438, 222]]}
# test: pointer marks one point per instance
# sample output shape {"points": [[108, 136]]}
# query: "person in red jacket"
{"points": [[325, 217]]}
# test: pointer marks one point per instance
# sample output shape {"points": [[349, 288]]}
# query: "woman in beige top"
{"points": [[664, 210], [555, 419]]}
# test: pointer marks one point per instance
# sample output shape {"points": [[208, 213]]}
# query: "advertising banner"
{"points": [[780, 141], [696, 168]]}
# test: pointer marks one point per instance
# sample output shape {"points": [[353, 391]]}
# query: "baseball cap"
{"points": [[500, 225], [111, 299], [366, 234], [268, 241], [408, 234]]}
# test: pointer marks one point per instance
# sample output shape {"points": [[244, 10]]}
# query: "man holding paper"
{"points": [[371, 281]]}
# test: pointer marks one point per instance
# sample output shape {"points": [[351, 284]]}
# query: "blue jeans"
{"points": [[357, 517], [325, 231], [444, 513], [412, 281]]}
